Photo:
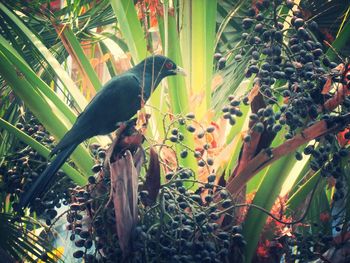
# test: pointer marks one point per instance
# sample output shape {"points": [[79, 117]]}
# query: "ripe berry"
{"points": [[298, 22], [238, 57], [174, 131], [96, 168], [221, 63], [184, 153], [190, 128], [210, 129], [259, 127], [247, 23], [298, 156], [217, 56], [78, 254], [234, 103], [226, 203], [211, 178], [201, 163], [190, 115], [247, 138], [259, 17], [232, 121], [92, 179], [253, 69], [173, 138]]}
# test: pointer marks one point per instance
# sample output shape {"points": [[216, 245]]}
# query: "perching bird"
{"points": [[118, 101]]}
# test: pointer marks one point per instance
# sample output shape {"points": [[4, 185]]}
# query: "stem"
{"points": [[261, 160]]}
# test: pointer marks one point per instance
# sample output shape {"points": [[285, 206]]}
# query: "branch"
{"points": [[249, 149], [263, 159]]}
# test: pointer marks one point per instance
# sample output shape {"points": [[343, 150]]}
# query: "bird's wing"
{"points": [[118, 101]]}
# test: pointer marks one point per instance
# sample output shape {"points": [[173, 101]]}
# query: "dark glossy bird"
{"points": [[118, 101]]}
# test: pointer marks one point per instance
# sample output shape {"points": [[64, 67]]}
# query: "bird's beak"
{"points": [[180, 71]]}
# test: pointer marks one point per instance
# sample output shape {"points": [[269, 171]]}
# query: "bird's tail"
{"points": [[46, 177]]}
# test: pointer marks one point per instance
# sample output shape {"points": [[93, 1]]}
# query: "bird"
{"points": [[118, 101]]}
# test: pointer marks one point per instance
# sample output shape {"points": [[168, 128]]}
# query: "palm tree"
{"points": [[38, 40]]}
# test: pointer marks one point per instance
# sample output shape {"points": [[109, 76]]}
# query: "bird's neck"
{"points": [[149, 82]]}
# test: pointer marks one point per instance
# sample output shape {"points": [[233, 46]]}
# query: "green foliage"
{"points": [[207, 39]]}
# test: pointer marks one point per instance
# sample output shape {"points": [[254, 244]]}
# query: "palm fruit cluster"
{"points": [[175, 136], [90, 221], [296, 81], [307, 245], [20, 168], [180, 226], [184, 226], [291, 73]]}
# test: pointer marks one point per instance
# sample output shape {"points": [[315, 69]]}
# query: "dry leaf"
{"points": [[94, 62], [152, 181], [217, 81], [327, 86], [124, 183], [106, 57], [297, 64], [253, 92], [168, 156], [340, 68]]}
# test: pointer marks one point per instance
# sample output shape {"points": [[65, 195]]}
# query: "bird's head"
{"points": [[161, 67], [153, 69]]}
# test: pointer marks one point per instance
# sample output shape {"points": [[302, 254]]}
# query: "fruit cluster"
{"points": [[184, 225], [293, 84], [293, 81], [180, 224], [23, 165], [90, 222], [174, 135], [307, 245]]}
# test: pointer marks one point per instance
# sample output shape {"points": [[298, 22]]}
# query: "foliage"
{"points": [[292, 103], [22, 244]]}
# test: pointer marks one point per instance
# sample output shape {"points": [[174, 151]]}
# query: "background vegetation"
{"points": [[54, 57]]}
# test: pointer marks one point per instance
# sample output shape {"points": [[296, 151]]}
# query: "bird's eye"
{"points": [[169, 65]]}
